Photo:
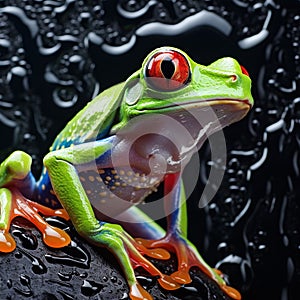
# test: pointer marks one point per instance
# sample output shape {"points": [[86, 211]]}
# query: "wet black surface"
{"points": [[56, 55], [79, 271]]}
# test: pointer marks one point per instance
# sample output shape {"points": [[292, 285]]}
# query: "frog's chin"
{"points": [[200, 121]]}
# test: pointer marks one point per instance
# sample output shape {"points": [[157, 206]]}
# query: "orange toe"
{"points": [[231, 292], [181, 277], [7, 242], [168, 283], [55, 237], [138, 293], [62, 213]]}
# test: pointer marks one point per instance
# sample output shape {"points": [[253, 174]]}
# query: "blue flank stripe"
{"points": [[44, 186]]}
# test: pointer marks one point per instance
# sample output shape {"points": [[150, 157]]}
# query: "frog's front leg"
{"points": [[176, 240], [15, 181], [62, 166]]}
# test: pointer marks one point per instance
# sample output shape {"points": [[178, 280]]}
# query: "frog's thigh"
{"points": [[139, 224]]}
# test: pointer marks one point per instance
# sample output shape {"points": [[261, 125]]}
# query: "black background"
{"points": [[54, 58]]}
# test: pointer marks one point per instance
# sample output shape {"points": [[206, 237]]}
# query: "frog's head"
{"points": [[170, 83]]}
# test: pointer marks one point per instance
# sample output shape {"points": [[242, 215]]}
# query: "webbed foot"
{"points": [[188, 256], [13, 204], [14, 176], [130, 256]]}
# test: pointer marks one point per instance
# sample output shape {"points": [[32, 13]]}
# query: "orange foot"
{"points": [[14, 204], [188, 256], [136, 251]]}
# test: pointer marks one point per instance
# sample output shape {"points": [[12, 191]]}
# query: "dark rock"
{"points": [[81, 271]]}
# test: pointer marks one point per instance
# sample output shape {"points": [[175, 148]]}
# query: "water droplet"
{"points": [[113, 279], [38, 267], [9, 283], [91, 288], [26, 290], [83, 275], [65, 276], [25, 280], [146, 282], [75, 256], [28, 240]]}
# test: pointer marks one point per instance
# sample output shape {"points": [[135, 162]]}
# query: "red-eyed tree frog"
{"points": [[130, 139]]}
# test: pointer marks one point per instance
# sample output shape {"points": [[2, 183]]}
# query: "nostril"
{"points": [[244, 71]]}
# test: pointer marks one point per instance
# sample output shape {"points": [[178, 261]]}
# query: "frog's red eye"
{"points": [[244, 71], [167, 70]]}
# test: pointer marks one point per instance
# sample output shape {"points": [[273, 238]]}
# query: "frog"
{"points": [[122, 146]]}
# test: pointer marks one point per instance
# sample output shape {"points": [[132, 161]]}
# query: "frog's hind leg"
{"points": [[16, 181], [139, 225], [175, 239]]}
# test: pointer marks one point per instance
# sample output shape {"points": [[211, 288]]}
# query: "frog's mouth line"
{"points": [[241, 104], [222, 112], [226, 111]]}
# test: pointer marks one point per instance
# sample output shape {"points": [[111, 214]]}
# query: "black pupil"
{"points": [[167, 67]]}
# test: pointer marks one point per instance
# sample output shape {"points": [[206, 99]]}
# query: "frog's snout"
{"points": [[230, 65]]}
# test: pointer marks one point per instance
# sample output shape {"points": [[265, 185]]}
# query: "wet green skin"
{"points": [[98, 133]]}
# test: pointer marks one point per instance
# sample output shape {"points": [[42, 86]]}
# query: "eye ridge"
{"points": [[168, 68]]}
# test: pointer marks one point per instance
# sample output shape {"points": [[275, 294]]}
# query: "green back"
{"points": [[93, 121]]}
